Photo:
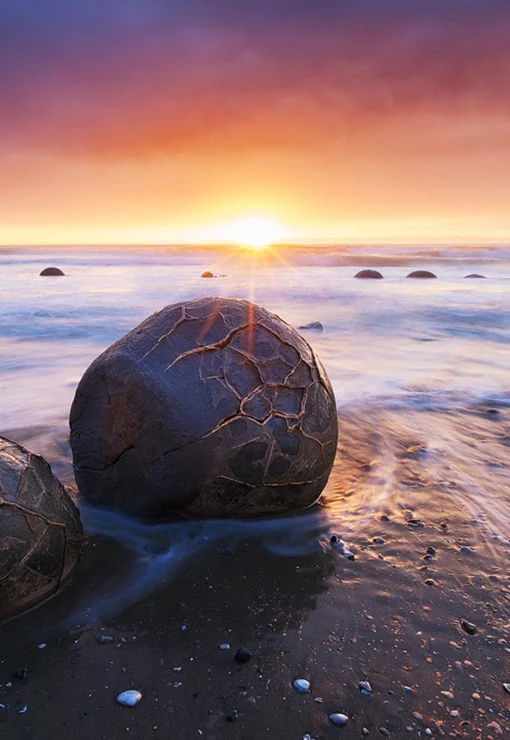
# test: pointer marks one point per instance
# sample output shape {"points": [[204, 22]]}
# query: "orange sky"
{"points": [[160, 122]]}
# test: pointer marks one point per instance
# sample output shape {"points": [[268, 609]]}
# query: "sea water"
{"points": [[399, 344]]}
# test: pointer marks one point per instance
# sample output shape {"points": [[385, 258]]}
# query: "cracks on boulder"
{"points": [[210, 347]]}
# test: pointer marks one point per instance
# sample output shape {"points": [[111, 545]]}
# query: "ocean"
{"points": [[431, 354]]}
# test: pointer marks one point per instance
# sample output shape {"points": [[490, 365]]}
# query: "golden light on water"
{"points": [[254, 232]]}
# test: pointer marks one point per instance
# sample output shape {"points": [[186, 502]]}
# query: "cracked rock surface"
{"points": [[40, 530], [211, 407]]}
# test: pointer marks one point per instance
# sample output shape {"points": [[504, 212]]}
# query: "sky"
{"points": [[162, 121]]}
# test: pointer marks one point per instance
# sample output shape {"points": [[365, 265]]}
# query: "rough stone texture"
{"points": [[51, 272], [475, 276], [422, 274], [40, 530], [212, 407], [369, 275]]}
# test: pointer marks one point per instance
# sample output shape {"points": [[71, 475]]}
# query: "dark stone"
{"points": [[51, 272], [369, 275], [40, 530], [313, 325], [431, 550], [475, 276], [207, 274], [212, 407], [243, 655], [105, 639], [422, 275], [468, 627]]}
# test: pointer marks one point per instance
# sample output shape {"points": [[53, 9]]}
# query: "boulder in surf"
{"points": [[210, 407], [40, 530]]}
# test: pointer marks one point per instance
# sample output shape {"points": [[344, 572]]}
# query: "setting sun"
{"points": [[255, 232]]}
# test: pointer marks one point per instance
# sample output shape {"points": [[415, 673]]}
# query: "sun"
{"points": [[254, 232]]}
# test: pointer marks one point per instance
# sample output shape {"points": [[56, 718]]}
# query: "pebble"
{"points": [[42, 646], [385, 518], [338, 719], [430, 582], [243, 655], [365, 687], [378, 540], [506, 687], [468, 627], [431, 550], [415, 523], [448, 694], [341, 546], [129, 698], [384, 731], [104, 639], [496, 727], [225, 646], [467, 550], [301, 685], [428, 731]]}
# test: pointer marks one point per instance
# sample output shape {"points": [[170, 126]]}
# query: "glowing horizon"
{"points": [[383, 122]]}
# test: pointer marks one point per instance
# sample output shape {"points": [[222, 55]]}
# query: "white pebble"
{"points": [[225, 646], [338, 719], [301, 685], [365, 687], [129, 698]]}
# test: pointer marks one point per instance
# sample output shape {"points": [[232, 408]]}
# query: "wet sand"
{"points": [[303, 610]]}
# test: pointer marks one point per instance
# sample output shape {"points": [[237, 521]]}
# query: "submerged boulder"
{"points": [[207, 274], [475, 276], [313, 325], [211, 407], [422, 274], [369, 275], [51, 272], [40, 530]]}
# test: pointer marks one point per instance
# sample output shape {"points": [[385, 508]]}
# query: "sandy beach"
{"points": [[425, 560]]}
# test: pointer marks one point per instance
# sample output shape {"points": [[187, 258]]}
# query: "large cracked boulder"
{"points": [[40, 530], [212, 407]]}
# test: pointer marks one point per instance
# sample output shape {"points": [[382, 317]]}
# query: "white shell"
{"points": [[129, 698], [301, 685], [339, 719]]}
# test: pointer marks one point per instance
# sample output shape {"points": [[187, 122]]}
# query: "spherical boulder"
{"points": [[207, 274], [211, 407], [475, 276], [422, 274], [40, 530], [51, 272], [369, 275]]}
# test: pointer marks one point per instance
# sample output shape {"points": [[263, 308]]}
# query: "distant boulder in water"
{"points": [[207, 274], [51, 272], [315, 325], [422, 275], [369, 275], [475, 276]]}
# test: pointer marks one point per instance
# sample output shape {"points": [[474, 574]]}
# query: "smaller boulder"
{"points": [[422, 275], [316, 325], [475, 276], [369, 275], [51, 272], [207, 274]]}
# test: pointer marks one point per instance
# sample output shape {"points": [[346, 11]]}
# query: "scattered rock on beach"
{"points": [[506, 687], [422, 275], [475, 276], [301, 685], [468, 627], [339, 719], [243, 655], [41, 534], [207, 274], [369, 275], [365, 687], [211, 407], [129, 698], [52, 272]]}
